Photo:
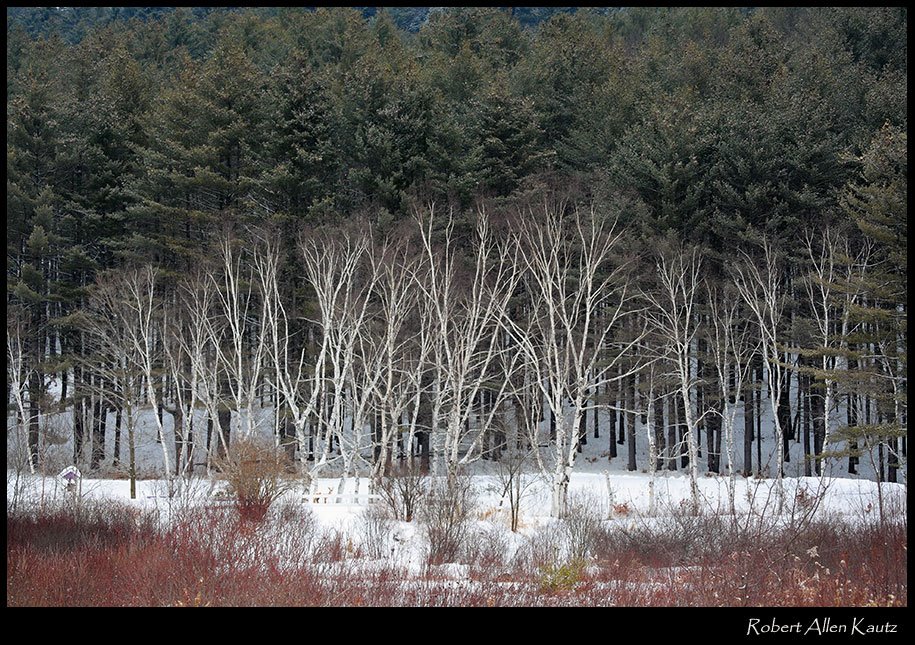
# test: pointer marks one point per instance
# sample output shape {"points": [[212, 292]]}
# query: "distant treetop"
{"points": [[72, 23]]}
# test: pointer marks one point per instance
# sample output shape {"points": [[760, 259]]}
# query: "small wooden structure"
{"points": [[72, 478]]}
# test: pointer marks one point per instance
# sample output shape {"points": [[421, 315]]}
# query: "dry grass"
{"points": [[113, 555]]}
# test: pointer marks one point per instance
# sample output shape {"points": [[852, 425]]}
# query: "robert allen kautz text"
{"points": [[819, 626]]}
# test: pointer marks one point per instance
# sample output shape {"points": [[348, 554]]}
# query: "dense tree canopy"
{"points": [[146, 135]]}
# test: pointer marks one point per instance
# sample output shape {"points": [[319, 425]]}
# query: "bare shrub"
{"points": [[487, 552], [543, 548], [292, 529], [332, 545], [376, 532], [446, 514], [403, 491], [582, 525], [112, 555], [254, 472], [91, 524], [513, 483]]}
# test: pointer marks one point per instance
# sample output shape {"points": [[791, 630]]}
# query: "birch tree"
{"points": [[758, 283], [732, 344], [120, 324], [579, 300], [402, 342], [466, 349], [17, 373], [294, 377], [653, 397], [338, 271], [190, 361], [137, 306], [240, 344], [834, 288], [673, 315]]}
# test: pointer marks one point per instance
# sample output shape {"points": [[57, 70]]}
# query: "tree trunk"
{"points": [[611, 429], [682, 429], [582, 429], [892, 459], [784, 414], [64, 383], [289, 438], [659, 431], [804, 384], [160, 412], [376, 437], [700, 398], [131, 453], [560, 496], [552, 426], [713, 442], [224, 421], [100, 412], [177, 426], [748, 426], [673, 422], [118, 416], [424, 452], [852, 420], [189, 445], [758, 417], [817, 403], [596, 414], [34, 411], [630, 421], [79, 427], [717, 446], [881, 462]]}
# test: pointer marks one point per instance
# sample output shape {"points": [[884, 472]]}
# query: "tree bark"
{"points": [[34, 411], [804, 386], [748, 426], [630, 420], [659, 431], [118, 416]]}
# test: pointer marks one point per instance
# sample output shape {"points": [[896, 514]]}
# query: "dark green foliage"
{"points": [[138, 134], [303, 164]]}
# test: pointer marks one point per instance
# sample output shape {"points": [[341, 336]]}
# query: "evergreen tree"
{"points": [[201, 164], [303, 166], [877, 203]]}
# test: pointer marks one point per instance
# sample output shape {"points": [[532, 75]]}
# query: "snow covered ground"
{"points": [[337, 538], [621, 499], [606, 486]]}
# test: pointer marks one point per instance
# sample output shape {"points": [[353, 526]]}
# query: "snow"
{"points": [[606, 487], [852, 500]]}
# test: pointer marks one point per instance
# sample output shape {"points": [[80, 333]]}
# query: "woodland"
{"points": [[398, 239]]}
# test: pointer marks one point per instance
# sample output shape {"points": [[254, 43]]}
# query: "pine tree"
{"points": [[200, 166], [877, 203]]}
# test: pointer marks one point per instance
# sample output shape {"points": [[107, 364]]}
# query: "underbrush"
{"points": [[107, 554]]}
